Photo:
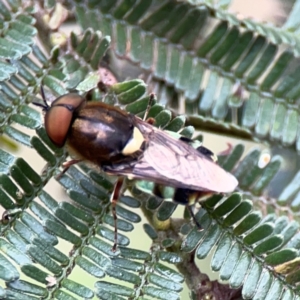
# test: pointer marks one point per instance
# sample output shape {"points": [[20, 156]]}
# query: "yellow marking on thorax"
{"points": [[135, 143]]}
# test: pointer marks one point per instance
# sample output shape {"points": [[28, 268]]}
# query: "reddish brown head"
{"points": [[59, 116]]}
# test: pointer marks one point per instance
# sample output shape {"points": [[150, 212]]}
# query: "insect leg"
{"points": [[189, 198], [66, 166], [190, 209], [43, 95], [226, 151], [151, 99], [181, 196], [114, 199]]}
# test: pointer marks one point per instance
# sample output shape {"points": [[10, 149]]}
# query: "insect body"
{"points": [[124, 145]]}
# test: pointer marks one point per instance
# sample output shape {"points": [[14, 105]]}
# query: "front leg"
{"points": [[66, 165], [114, 199]]}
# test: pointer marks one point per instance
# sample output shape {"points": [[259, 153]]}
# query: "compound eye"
{"points": [[57, 123], [72, 101], [58, 118]]}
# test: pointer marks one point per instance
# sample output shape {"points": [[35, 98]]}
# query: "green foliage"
{"points": [[209, 70]]}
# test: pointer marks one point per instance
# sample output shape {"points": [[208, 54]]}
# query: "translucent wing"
{"points": [[171, 162]]}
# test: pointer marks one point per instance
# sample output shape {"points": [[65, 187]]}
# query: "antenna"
{"points": [[44, 105]]}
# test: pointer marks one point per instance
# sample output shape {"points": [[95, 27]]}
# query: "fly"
{"points": [[124, 145]]}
